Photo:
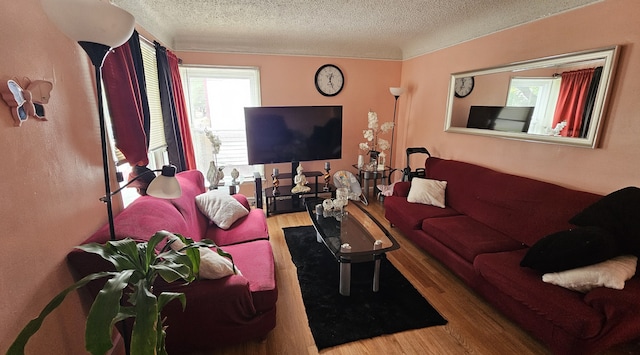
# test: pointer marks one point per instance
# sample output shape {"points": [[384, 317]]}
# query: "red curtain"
{"points": [[181, 111], [572, 99], [123, 96]]}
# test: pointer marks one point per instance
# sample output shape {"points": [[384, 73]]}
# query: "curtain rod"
{"points": [[150, 42]]}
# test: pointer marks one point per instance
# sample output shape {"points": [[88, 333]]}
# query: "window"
{"points": [[216, 98], [542, 93]]}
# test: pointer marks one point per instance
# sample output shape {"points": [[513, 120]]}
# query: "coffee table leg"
{"points": [[345, 278], [376, 276], [366, 187]]}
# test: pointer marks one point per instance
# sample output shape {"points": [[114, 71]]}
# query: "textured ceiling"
{"points": [[379, 29]]}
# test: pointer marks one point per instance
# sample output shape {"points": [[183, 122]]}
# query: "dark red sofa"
{"points": [[219, 312], [490, 221]]}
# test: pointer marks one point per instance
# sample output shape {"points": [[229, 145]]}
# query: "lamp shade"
{"points": [[165, 185], [96, 21], [396, 91]]}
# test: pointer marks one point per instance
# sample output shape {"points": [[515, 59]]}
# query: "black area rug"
{"points": [[335, 319]]}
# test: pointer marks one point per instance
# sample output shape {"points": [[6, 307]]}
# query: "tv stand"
{"points": [[284, 201]]}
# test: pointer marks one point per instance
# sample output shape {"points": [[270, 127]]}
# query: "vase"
{"points": [[360, 161], [214, 175], [235, 174]]}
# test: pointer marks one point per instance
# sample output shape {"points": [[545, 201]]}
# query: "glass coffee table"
{"points": [[352, 236]]}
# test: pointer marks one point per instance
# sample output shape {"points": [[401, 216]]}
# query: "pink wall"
{"points": [[52, 174], [612, 166], [50, 181], [289, 80]]}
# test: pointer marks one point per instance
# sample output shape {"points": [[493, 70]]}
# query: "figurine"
{"points": [[276, 182], [327, 178], [301, 182]]}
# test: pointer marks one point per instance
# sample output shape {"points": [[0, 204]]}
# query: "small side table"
{"points": [[366, 176]]}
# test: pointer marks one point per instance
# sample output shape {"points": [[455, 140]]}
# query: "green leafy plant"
{"points": [[137, 267]]}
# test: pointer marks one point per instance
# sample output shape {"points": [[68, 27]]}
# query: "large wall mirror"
{"points": [[558, 99]]}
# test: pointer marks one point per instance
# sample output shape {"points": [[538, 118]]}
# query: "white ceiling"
{"points": [[377, 29]]}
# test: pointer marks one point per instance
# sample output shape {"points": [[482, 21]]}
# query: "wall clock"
{"points": [[329, 80], [463, 86]]}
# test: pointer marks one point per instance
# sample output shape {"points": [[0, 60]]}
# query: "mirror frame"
{"points": [[609, 54]]}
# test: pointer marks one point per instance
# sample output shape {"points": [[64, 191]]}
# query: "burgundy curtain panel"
{"points": [[572, 100], [181, 111], [174, 115], [125, 105]]}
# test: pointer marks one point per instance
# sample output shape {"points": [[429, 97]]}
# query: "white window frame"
{"points": [[227, 123], [545, 103]]}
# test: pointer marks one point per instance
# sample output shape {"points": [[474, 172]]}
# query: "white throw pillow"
{"points": [[212, 265], [611, 273], [427, 191], [221, 208]]}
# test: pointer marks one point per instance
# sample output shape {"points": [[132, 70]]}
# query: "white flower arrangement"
{"points": [[216, 143], [371, 134], [214, 139]]}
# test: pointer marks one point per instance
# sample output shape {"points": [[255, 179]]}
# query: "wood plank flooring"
{"points": [[474, 326]]}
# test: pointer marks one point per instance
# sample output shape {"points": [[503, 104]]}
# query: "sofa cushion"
{"points": [[514, 205], [401, 188], [570, 249], [410, 215], [610, 273], [249, 228], [192, 185], [255, 259], [243, 200], [221, 208], [619, 213], [468, 237], [562, 307], [428, 192], [141, 220]]}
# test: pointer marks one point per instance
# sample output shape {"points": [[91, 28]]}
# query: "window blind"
{"points": [[156, 134]]}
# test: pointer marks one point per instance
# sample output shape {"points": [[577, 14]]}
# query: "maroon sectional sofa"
{"points": [[219, 312], [490, 221]]}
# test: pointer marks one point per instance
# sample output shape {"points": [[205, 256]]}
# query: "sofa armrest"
{"points": [[616, 304], [243, 200], [401, 188]]}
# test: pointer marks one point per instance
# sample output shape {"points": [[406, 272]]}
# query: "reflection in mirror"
{"points": [[557, 99]]}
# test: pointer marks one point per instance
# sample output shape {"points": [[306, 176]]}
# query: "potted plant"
{"points": [[137, 267]]}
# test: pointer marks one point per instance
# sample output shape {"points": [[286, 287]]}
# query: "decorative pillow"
{"points": [[222, 209], [570, 249], [619, 213], [427, 191], [611, 273], [212, 265]]}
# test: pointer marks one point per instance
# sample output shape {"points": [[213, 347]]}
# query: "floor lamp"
{"points": [[396, 92], [99, 26]]}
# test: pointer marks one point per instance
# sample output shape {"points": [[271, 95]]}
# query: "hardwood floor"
{"points": [[474, 326]]}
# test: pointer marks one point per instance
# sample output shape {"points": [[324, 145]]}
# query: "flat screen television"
{"points": [[500, 118], [284, 134]]}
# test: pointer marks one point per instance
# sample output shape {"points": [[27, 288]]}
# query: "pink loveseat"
{"points": [[489, 223], [219, 312]]}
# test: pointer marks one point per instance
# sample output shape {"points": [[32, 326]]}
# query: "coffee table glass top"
{"points": [[355, 227]]}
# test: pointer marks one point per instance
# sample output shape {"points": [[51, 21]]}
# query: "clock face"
{"points": [[329, 80], [463, 86]]}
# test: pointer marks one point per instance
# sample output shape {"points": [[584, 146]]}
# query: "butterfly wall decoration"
{"points": [[26, 103]]}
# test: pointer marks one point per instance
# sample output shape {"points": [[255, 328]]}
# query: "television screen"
{"points": [[293, 133], [500, 118]]}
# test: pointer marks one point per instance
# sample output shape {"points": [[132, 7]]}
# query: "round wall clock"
{"points": [[463, 86], [329, 80]]}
